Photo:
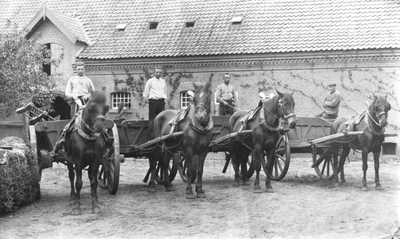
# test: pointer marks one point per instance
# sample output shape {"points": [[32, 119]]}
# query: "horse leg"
{"points": [[200, 167], [93, 170], [152, 162], [236, 158], [365, 168], [343, 156], [257, 154], [189, 161], [71, 175], [165, 165], [335, 153], [78, 170], [243, 162], [270, 165], [376, 164]]}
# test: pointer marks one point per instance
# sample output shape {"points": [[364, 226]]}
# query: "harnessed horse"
{"points": [[264, 136], [85, 146], [196, 125], [373, 126]]}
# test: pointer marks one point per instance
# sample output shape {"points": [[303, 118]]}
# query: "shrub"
{"points": [[18, 183]]}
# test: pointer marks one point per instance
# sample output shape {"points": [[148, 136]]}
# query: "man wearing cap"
{"points": [[331, 103], [226, 96], [155, 92]]}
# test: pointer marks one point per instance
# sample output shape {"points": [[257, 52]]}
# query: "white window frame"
{"points": [[119, 96], [184, 99]]}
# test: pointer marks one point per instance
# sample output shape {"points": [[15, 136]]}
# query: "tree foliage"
{"points": [[21, 74]]}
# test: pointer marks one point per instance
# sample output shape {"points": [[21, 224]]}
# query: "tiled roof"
{"points": [[73, 25], [268, 26]]}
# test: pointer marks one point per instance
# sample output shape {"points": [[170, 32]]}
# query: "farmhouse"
{"points": [[291, 45]]}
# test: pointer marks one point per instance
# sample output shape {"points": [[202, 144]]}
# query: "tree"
{"points": [[21, 74]]}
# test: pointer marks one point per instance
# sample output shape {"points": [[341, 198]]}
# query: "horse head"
{"points": [[286, 108], [97, 109], [202, 103], [380, 107]]}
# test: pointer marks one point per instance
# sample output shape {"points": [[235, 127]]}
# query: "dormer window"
{"points": [[121, 27], [153, 25], [237, 20], [190, 24]]}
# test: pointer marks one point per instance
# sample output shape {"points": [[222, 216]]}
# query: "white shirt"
{"points": [[155, 89], [78, 86]]}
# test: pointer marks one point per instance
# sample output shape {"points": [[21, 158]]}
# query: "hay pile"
{"points": [[19, 182]]}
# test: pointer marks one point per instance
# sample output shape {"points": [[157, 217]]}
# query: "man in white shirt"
{"points": [[79, 87], [226, 96], [155, 93]]}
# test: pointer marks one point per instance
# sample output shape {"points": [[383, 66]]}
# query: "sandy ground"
{"points": [[302, 206]]}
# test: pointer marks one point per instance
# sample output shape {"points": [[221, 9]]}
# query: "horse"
{"points": [[85, 146], [196, 125], [264, 136], [373, 126]]}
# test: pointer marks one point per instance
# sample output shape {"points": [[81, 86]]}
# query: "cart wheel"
{"points": [[183, 169], [282, 159], [251, 167], [172, 169], [36, 165], [108, 176], [322, 162]]}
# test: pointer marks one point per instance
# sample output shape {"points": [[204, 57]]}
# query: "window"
{"points": [[121, 27], [236, 20], [153, 25], [185, 100], [57, 55], [190, 24], [120, 97]]}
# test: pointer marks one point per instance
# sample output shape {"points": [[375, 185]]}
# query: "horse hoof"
{"points": [[378, 187], [269, 190], [236, 184], [190, 196], [76, 212], [364, 188], [201, 195], [258, 190], [152, 190], [96, 210], [336, 185], [170, 188]]}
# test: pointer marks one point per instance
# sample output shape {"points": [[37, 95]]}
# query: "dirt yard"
{"points": [[302, 206]]}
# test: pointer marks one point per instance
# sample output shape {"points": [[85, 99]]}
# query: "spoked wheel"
{"points": [[172, 170], [282, 159], [108, 176], [251, 167], [323, 162], [183, 169]]}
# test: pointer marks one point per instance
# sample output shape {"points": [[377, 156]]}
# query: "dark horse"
{"points": [[372, 125], [264, 136], [196, 125], [85, 146]]}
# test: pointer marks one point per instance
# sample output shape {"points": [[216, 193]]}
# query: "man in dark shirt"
{"points": [[331, 103]]}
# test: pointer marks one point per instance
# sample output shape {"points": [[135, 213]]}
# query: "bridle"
{"points": [[285, 117]]}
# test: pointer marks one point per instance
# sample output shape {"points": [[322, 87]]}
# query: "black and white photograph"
{"points": [[200, 119]]}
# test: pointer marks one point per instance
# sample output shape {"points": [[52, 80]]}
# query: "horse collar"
{"points": [[78, 125], [371, 129], [264, 124]]}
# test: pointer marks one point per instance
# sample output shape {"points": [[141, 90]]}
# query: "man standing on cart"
{"points": [[331, 103], [226, 96], [155, 93]]}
